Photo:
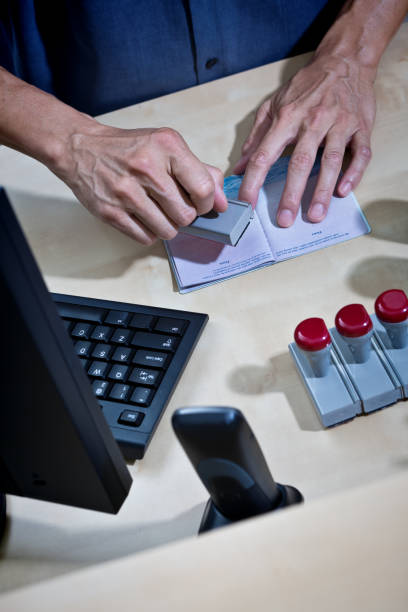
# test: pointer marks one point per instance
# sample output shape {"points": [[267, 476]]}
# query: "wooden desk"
{"points": [[346, 548]]}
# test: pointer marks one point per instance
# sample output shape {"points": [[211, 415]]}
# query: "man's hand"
{"points": [[145, 182], [328, 103]]}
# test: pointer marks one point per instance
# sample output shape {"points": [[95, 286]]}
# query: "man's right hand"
{"points": [[144, 182]]}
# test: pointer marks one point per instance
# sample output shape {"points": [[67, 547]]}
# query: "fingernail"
{"points": [[316, 212], [346, 188], [285, 217]]}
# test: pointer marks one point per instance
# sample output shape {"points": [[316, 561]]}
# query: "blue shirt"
{"points": [[99, 55]]}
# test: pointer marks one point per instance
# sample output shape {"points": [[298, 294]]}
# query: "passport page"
{"points": [[197, 262]]}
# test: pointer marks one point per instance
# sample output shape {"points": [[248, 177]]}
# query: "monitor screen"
{"points": [[55, 444]]}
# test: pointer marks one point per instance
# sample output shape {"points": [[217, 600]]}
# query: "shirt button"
{"points": [[211, 62]]}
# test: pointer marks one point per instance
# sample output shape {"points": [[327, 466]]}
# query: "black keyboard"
{"points": [[134, 357]]}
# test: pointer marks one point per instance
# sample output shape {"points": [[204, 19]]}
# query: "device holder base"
{"points": [[2, 514], [213, 519]]}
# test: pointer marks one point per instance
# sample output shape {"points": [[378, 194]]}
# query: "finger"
{"points": [[332, 159], [299, 168], [260, 161], [173, 201], [195, 179], [220, 199], [361, 155], [259, 129], [136, 202], [128, 225]]}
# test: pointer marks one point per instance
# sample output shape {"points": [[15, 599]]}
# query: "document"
{"points": [[197, 262]]}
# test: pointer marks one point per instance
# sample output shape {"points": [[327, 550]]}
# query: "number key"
{"points": [[100, 387], [120, 392]]}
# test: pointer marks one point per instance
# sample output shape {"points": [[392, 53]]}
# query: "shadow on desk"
{"points": [[278, 375], [74, 551], [367, 277], [60, 231], [388, 220]]}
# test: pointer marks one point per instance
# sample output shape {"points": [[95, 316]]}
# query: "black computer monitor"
{"points": [[55, 444]]}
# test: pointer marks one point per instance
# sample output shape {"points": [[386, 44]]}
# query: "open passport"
{"points": [[197, 262]]}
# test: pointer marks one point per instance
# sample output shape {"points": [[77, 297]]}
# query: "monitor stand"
{"points": [[2, 514]]}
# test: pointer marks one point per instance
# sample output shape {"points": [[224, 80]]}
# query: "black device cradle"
{"points": [[229, 461], [3, 515], [212, 518]]}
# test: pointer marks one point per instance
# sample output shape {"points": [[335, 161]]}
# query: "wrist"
{"points": [[348, 46], [362, 32], [58, 152]]}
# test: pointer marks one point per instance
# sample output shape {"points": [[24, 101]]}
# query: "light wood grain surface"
{"points": [[241, 360]]}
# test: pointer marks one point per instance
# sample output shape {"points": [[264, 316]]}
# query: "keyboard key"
{"points": [[170, 326], [154, 341], [83, 313], [141, 396], [121, 336], [100, 388], [117, 317], [119, 392], [82, 330], [154, 359], [102, 351], [83, 348], [130, 417], [118, 372], [122, 354], [98, 369], [142, 321], [141, 376], [102, 333]]}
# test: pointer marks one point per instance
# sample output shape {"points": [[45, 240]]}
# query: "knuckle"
{"points": [[332, 157], [203, 190], [317, 116], [168, 137], [301, 161], [142, 163], [218, 175], [109, 214], [262, 111], [364, 152], [322, 195], [285, 112], [122, 189], [291, 202], [186, 216], [259, 159]]}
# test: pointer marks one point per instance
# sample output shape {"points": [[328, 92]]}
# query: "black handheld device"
{"points": [[230, 463]]}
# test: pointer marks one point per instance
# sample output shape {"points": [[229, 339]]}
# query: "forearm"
{"points": [[36, 123], [362, 31]]}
